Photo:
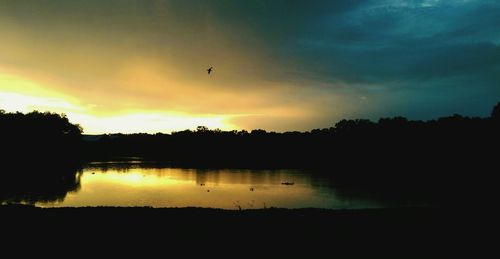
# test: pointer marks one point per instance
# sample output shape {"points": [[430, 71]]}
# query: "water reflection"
{"points": [[142, 184], [138, 183], [38, 184]]}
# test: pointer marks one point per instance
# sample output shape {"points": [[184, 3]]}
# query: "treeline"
{"points": [[39, 137], [353, 144], [359, 142]]}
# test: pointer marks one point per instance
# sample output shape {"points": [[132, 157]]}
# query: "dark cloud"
{"points": [[386, 44], [435, 48]]}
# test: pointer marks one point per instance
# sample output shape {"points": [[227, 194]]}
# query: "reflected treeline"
{"points": [[203, 175], [40, 156], [21, 183]]}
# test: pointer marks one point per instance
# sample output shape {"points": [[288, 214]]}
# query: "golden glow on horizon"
{"points": [[99, 114], [89, 118], [148, 123], [19, 94]]}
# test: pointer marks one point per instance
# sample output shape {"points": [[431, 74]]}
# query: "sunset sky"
{"points": [[140, 66]]}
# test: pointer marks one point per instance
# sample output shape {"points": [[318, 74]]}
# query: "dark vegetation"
{"points": [[38, 137], [411, 232], [443, 160], [353, 143], [40, 157]]}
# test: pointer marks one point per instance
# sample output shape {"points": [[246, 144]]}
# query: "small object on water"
{"points": [[287, 183], [93, 172], [208, 190], [202, 184], [251, 189]]}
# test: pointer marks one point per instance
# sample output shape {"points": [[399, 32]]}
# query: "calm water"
{"points": [[104, 184]]}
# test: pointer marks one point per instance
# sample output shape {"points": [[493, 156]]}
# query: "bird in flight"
{"points": [[209, 70]]}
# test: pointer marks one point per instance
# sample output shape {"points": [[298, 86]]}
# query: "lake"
{"points": [[135, 183]]}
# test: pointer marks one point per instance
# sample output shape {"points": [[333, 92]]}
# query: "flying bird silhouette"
{"points": [[209, 70]]}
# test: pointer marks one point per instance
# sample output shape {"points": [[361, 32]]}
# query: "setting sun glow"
{"points": [[31, 96]]}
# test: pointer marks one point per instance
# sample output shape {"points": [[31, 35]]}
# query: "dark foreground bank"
{"points": [[414, 231]]}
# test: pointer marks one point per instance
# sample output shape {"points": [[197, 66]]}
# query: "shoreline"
{"points": [[402, 231]]}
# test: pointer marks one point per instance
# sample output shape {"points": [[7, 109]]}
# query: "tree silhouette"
{"points": [[40, 156], [39, 136], [495, 114]]}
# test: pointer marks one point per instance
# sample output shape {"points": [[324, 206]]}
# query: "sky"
{"points": [[140, 66]]}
